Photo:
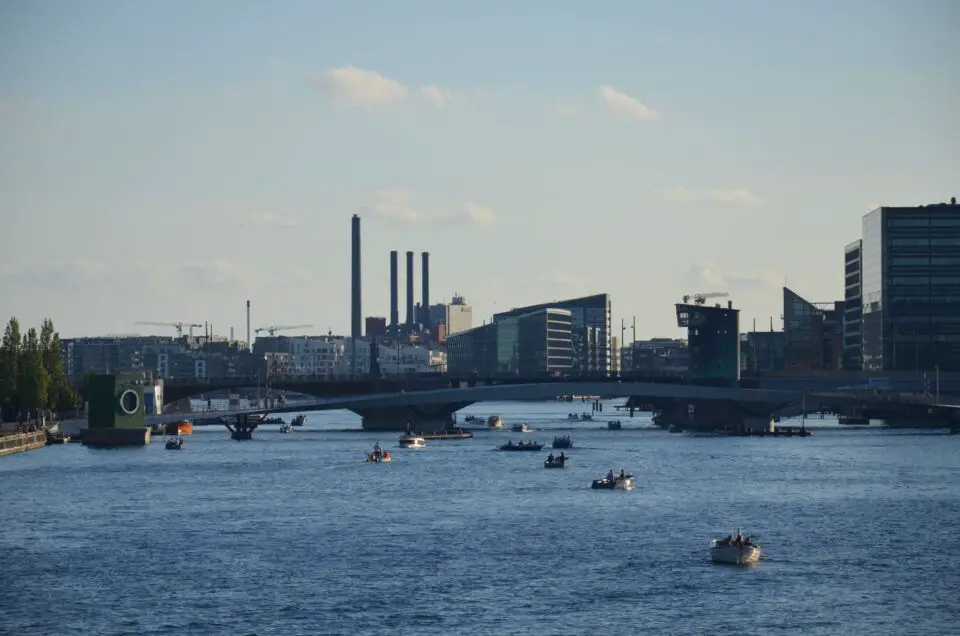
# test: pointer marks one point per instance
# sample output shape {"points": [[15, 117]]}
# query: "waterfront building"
{"points": [[713, 339], [658, 356], [853, 306], [329, 357], [590, 331], [813, 333], [910, 288], [456, 316], [762, 351]]}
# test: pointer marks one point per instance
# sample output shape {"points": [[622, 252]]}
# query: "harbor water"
{"points": [[293, 534]]}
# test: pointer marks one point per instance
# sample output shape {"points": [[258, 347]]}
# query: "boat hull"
{"points": [[735, 555], [620, 484]]}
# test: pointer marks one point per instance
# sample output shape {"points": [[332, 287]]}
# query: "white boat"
{"points": [[494, 421], [619, 483], [521, 428], [729, 552], [412, 441], [286, 428]]}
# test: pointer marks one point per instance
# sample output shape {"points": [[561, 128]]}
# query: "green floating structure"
{"points": [[115, 412]]}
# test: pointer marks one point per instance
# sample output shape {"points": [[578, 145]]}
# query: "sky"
{"points": [[167, 162]]}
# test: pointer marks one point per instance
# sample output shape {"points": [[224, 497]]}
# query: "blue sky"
{"points": [[167, 165]]}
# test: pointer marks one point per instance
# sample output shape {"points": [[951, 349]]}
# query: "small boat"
{"points": [[412, 441], [286, 428], [555, 462], [174, 444], [614, 426], [521, 428], [736, 551], [586, 416], [563, 442], [494, 421], [510, 447], [299, 420], [382, 457], [618, 483], [456, 433]]}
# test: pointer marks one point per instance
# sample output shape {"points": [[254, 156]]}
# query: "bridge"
{"points": [[702, 406]]}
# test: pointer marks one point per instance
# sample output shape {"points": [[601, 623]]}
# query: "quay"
{"points": [[19, 442]]}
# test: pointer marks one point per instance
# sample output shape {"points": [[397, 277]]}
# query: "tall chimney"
{"points": [[410, 290], [249, 344], [394, 292], [425, 290], [356, 318]]}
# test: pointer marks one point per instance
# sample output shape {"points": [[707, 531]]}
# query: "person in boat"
{"points": [[610, 476], [746, 540], [550, 458], [562, 458], [622, 475], [739, 539]]}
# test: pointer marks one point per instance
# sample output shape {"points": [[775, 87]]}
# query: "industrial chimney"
{"points": [[394, 291], [425, 290], [356, 313], [410, 290], [249, 347]]}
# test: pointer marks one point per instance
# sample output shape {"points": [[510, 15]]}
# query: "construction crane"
{"points": [[701, 299], [176, 325], [273, 329]]}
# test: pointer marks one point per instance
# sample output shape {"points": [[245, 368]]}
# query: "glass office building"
{"points": [[590, 331], [911, 288], [713, 341], [852, 306]]}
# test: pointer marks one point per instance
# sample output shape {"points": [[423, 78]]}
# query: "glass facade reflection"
{"points": [[853, 306], [713, 341]]}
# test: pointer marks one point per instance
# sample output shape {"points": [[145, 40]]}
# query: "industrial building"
{"points": [[910, 289], [536, 344], [590, 331]]}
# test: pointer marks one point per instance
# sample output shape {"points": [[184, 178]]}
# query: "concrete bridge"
{"points": [[704, 406]]}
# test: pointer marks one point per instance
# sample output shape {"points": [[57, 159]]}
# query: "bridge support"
{"points": [[420, 418], [115, 412], [243, 428], [715, 415]]}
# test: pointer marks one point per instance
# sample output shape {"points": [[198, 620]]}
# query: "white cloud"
{"points": [[218, 273], [355, 85], [736, 196], [436, 95], [397, 206], [708, 278], [275, 221], [626, 106]]}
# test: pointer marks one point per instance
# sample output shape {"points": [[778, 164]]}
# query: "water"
{"points": [[294, 534]]}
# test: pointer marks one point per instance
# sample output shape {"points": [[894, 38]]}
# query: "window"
{"points": [[910, 260]]}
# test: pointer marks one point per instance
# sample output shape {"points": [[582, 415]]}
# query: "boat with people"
{"points": [[563, 441], [453, 433], [175, 443], [522, 428], [286, 428], [737, 550], [555, 462], [615, 425], [510, 447], [494, 421], [614, 481], [412, 440], [582, 416], [299, 420], [379, 456]]}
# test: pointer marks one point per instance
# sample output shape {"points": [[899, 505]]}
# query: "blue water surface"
{"points": [[294, 534]]}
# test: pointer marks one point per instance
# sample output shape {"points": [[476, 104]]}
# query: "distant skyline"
{"points": [[168, 165]]}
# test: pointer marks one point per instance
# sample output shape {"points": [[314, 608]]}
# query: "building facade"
{"points": [[590, 331], [713, 337], [853, 306], [762, 351], [911, 288]]}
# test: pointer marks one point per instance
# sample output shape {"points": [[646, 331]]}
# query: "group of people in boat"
{"points": [[559, 459], [378, 452], [739, 541], [510, 443], [612, 478], [563, 442], [582, 416]]}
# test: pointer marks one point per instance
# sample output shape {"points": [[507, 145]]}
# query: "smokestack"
{"points": [[394, 291], [248, 327], [410, 289], [425, 289], [356, 327]]}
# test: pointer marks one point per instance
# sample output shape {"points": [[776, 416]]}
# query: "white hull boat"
{"points": [[412, 441], [732, 553], [494, 421]]}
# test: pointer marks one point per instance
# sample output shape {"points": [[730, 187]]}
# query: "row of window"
{"points": [[933, 242], [925, 280], [924, 221], [926, 260]]}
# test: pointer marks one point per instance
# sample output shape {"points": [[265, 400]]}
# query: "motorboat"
{"points": [[735, 551], [175, 443], [563, 442], [586, 416], [521, 428], [494, 421], [510, 447], [614, 426], [286, 428], [379, 457], [618, 483], [299, 420], [454, 433], [411, 440], [555, 462]]}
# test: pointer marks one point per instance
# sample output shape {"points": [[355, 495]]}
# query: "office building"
{"points": [[457, 316], [853, 306], [590, 326], [713, 341], [813, 333], [910, 288]]}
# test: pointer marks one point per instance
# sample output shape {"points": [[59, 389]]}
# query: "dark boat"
{"points": [[614, 426], [518, 448], [174, 444], [457, 433], [556, 462], [618, 483], [563, 442], [299, 420]]}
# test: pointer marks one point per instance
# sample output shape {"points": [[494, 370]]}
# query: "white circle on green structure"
{"points": [[129, 402]]}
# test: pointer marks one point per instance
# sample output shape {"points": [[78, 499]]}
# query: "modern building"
{"points": [[813, 333], [762, 351], [591, 332], [658, 356], [536, 344], [853, 306], [330, 357], [457, 316], [713, 340], [910, 288]]}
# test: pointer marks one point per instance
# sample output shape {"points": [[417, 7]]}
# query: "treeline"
{"points": [[32, 379]]}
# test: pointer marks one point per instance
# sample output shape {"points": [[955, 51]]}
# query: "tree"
{"points": [[62, 395], [10, 370], [34, 382]]}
